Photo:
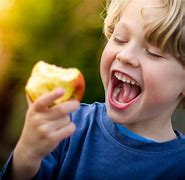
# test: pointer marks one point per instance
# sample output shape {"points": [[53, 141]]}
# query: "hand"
{"points": [[45, 126]]}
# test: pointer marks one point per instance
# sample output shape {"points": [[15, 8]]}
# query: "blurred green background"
{"points": [[67, 33]]}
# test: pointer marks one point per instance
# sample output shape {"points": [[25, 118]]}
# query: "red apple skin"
{"points": [[77, 84]]}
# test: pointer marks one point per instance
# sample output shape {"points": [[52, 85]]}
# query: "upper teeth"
{"points": [[125, 78]]}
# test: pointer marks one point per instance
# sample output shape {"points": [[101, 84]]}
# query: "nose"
{"points": [[128, 57]]}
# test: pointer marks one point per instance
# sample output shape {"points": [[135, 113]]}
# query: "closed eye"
{"points": [[119, 40], [155, 55]]}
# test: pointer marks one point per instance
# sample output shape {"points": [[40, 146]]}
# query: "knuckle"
{"points": [[69, 129], [39, 104], [62, 110], [33, 119], [46, 135], [35, 124], [43, 132], [64, 121]]}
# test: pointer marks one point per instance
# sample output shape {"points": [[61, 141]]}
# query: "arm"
{"points": [[45, 126]]}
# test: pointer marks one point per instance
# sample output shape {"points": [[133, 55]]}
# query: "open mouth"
{"points": [[124, 90]]}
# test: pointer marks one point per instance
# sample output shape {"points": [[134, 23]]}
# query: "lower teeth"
{"points": [[116, 92], [116, 96], [120, 103]]}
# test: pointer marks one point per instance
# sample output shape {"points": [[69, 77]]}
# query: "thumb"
{"points": [[29, 101]]}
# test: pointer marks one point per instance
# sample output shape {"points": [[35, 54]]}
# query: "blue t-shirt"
{"points": [[127, 132], [98, 150]]}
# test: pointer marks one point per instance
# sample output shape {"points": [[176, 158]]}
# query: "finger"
{"points": [[51, 126], [64, 132], [48, 99], [64, 109]]}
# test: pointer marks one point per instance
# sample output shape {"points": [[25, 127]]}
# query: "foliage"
{"points": [[67, 33]]}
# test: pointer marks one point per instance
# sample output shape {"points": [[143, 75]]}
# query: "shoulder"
{"points": [[86, 109], [88, 113]]}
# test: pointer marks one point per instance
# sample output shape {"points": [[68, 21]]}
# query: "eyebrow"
{"points": [[124, 25]]}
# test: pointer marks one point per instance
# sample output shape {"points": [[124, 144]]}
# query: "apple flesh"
{"points": [[46, 77]]}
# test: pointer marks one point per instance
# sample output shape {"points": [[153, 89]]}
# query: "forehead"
{"points": [[146, 11]]}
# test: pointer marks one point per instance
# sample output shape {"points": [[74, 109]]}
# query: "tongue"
{"points": [[129, 92]]}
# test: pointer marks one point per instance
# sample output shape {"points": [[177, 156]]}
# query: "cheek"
{"points": [[162, 91], [108, 56], [152, 90]]}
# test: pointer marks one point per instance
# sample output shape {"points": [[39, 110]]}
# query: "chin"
{"points": [[121, 116], [114, 113]]}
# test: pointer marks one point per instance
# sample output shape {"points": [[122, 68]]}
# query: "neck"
{"points": [[160, 133]]}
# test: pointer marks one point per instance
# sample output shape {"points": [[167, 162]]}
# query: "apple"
{"points": [[45, 77]]}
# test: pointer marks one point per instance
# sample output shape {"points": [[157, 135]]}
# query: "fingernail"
{"points": [[59, 91]]}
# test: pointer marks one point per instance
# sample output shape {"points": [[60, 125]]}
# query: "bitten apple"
{"points": [[46, 77]]}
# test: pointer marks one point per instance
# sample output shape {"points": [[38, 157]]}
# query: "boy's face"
{"points": [[155, 80]]}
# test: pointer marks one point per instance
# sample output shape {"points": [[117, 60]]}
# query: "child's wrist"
{"points": [[25, 165], [25, 154]]}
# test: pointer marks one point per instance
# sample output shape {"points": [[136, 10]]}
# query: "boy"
{"points": [[131, 135]]}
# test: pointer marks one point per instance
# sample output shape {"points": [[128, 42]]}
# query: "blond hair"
{"points": [[166, 32]]}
